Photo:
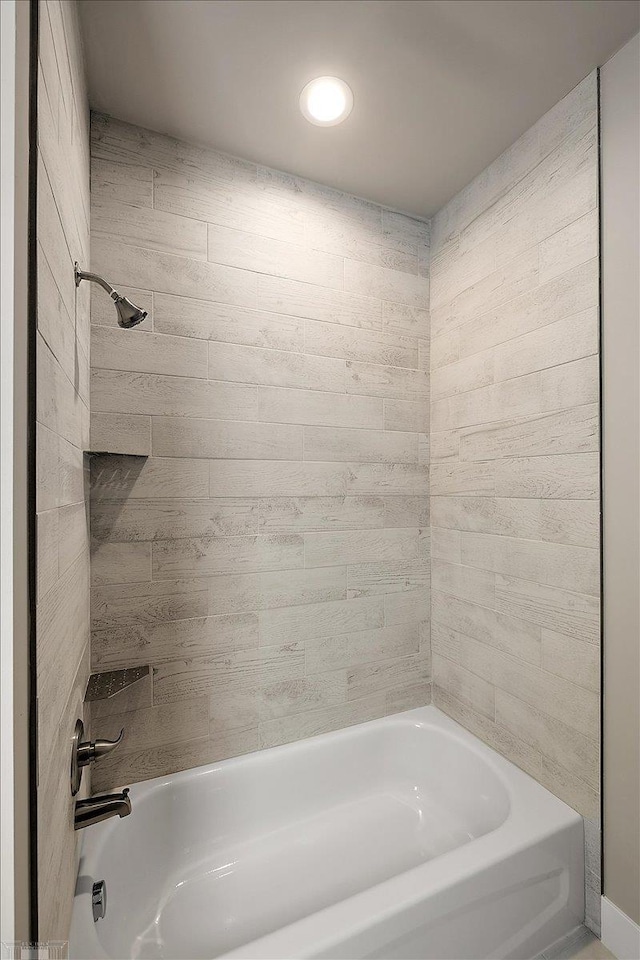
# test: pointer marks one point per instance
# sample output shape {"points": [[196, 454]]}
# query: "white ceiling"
{"points": [[441, 88]]}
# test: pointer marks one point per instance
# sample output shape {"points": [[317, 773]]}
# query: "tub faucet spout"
{"points": [[95, 809]]}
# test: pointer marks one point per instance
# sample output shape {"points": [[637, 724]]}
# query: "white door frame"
{"points": [[7, 209], [14, 477]]}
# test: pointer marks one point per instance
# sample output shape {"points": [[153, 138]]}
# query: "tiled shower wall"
{"points": [[515, 458], [269, 553], [62, 434]]}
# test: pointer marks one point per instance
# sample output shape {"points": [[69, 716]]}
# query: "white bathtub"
{"points": [[403, 837]]}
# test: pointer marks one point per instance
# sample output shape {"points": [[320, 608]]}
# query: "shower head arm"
{"points": [[129, 314], [80, 275]]}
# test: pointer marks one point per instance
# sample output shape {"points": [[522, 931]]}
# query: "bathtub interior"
{"points": [[217, 857]]}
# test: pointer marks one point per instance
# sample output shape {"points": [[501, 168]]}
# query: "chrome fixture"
{"points": [[84, 752], [128, 313], [95, 809], [99, 900]]}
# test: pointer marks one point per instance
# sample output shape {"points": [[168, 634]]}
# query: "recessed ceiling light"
{"points": [[326, 101]]}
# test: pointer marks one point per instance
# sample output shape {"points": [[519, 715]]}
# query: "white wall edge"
{"points": [[7, 113], [619, 934]]}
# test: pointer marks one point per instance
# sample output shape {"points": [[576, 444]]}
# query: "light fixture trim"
{"points": [[326, 101]]}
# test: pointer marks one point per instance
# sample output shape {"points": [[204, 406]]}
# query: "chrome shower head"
{"points": [[129, 315]]}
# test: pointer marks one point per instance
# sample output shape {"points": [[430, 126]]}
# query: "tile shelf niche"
{"points": [[128, 435], [103, 686]]}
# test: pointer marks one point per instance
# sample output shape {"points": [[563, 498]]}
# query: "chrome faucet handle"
{"points": [[92, 750], [84, 752]]}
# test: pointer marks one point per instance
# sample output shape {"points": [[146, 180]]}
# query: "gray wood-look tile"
{"points": [[130, 183], [574, 659], [377, 446], [465, 583], [568, 385], [154, 726], [463, 479], [153, 762], [305, 514], [314, 722], [121, 433], [310, 478], [225, 439], [566, 340], [332, 234], [463, 375], [555, 696], [577, 243], [367, 679], [120, 562], [316, 620], [515, 440], [385, 284], [519, 638], [465, 686], [485, 514], [134, 350], [567, 746], [406, 415], [572, 790], [564, 611], [273, 478], [188, 679], [405, 319], [315, 408], [446, 544], [62, 436], [47, 538], [551, 564], [374, 578], [112, 221], [277, 258], [143, 643], [54, 323], [126, 143], [225, 323], [280, 368], [559, 477], [249, 210], [168, 273], [338, 651], [571, 521], [409, 606], [209, 556], [116, 391], [406, 511], [128, 604], [410, 697], [255, 591], [122, 478], [569, 294], [296, 299], [172, 518], [570, 431], [377, 380], [370, 346], [58, 405], [344, 547]]}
